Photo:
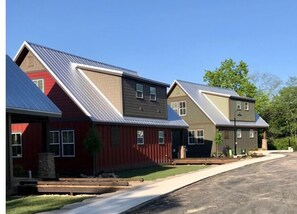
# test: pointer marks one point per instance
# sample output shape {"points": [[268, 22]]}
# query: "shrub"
{"points": [[281, 143]]}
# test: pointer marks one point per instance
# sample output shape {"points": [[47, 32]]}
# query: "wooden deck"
{"points": [[203, 161], [75, 185]]}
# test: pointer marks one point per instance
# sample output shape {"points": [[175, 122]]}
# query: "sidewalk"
{"points": [[124, 200]]}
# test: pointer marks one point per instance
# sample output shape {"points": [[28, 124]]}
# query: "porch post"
{"points": [[9, 161], [264, 140]]}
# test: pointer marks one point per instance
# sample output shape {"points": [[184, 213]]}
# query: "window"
{"points": [[238, 133], [161, 137], [238, 105], [246, 106], [139, 91], [252, 133], [55, 143], [153, 94], [182, 108], [115, 135], [200, 136], [16, 145], [39, 83], [174, 106], [226, 134], [191, 137], [140, 137], [68, 143]]}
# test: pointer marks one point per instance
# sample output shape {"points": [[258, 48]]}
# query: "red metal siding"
{"points": [[57, 95]]}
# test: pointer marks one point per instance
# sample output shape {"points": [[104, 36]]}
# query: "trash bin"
{"points": [[230, 153], [183, 152]]}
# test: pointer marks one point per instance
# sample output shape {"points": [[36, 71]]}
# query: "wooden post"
{"points": [[264, 141]]}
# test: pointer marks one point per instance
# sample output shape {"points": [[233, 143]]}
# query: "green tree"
{"points": [[218, 141], [92, 144], [233, 76]]}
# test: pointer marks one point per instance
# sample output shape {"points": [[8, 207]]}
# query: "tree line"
{"points": [[276, 101]]}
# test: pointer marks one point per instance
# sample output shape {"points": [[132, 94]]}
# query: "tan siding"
{"points": [[31, 64], [222, 103], [109, 85], [177, 92]]}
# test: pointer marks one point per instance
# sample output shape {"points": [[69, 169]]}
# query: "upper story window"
{"points": [[182, 108], [39, 83], [238, 105], [161, 137], [16, 145], [153, 94], [139, 91], [174, 106], [140, 137], [68, 143], [246, 106], [179, 107], [55, 143]]}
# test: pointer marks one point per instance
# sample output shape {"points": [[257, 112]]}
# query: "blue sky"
{"points": [[162, 40]]}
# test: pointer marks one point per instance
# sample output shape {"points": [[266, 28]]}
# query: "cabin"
{"points": [[129, 112], [25, 103], [208, 110]]}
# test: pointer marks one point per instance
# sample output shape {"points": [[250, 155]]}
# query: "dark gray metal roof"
{"points": [[196, 93], [63, 67], [23, 96]]}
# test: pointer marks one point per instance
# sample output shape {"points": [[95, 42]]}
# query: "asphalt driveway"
{"points": [[266, 187]]}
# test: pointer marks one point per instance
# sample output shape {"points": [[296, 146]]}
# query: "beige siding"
{"points": [[31, 64], [177, 92], [109, 85], [222, 103]]}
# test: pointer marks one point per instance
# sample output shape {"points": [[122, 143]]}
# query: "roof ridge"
{"points": [[199, 84], [84, 58]]}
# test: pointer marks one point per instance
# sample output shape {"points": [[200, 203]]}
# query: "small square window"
{"points": [[182, 108], [55, 143], [39, 83], [238, 133], [153, 94], [238, 105], [139, 91], [17, 145], [140, 137], [246, 106], [252, 135], [174, 106], [161, 137]]}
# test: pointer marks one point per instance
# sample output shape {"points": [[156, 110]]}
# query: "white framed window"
{"points": [[17, 148], [161, 137], [153, 94], [252, 133], [182, 108], [139, 91], [238, 133], [246, 106], [39, 83], [55, 143], [191, 137], [140, 137], [238, 105], [68, 143], [200, 136], [174, 106]]}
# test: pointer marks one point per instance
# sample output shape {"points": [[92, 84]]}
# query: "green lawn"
{"points": [[41, 203], [153, 173]]}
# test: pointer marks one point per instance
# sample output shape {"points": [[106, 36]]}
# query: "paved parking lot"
{"points": [[266, 187]]}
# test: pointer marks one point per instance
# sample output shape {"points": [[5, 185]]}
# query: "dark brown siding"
{"points": [[245, 142], [144, 107], [246, 115]]}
